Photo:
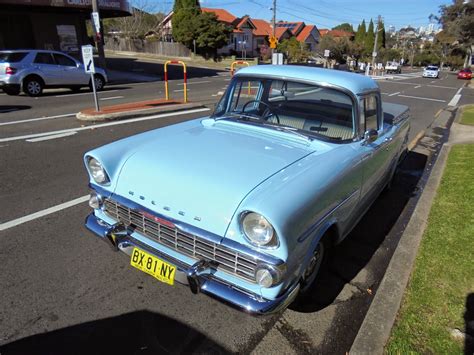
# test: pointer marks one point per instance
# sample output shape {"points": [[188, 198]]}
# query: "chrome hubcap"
{"points": [[315, 261], [34, 87], [98, 83]]}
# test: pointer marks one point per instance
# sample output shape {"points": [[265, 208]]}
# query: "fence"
{"points": [[167, 49]]}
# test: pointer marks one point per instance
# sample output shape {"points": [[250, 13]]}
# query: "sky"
{"points": [[328, 13]]}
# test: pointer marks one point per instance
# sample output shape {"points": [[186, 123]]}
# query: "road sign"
{"points": [[96, 21], [88, 59], [273, 42], [326, 53]]}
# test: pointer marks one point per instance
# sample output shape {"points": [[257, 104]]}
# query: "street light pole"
{"points": [[374, 53], [274, 21], [98, 38]]}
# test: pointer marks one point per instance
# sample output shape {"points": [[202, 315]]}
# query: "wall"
{"points": [[167, 49]]}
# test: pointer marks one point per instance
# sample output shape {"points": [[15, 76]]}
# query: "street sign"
{"points": [[88, 59], [273, 42], [277, 59], [326, 53], [96, 21]]}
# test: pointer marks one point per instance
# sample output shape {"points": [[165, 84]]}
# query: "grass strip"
{"points": [[434, 303], [467, 116]]}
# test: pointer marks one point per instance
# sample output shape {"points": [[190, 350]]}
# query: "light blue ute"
{"points": [[246, 204]]}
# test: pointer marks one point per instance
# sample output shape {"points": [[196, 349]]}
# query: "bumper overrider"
{"points": [[198, 277]]}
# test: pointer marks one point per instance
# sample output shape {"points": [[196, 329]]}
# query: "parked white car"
{"points": [[33, 70], [431, 71]]}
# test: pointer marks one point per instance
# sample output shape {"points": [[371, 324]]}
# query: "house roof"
{"points": [[262, 28], [335, 33], [323, 31], [280, 32], [305, 33], [222, 15], [294, 27], [245, 19]]}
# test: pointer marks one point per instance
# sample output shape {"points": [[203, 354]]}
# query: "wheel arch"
{"points": [[32, 75]]}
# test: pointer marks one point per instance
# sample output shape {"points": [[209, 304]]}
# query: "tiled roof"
{"points": [[262, 28], [280, 31], [335, 33], [245, 19], [323, 31], [305, 32], [222, 15]]}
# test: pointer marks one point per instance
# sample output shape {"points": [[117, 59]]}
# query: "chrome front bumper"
{"points": [[198, 277]]}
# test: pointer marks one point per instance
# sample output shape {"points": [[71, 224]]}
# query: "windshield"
{"points": [[431, 68], [305, 109]]}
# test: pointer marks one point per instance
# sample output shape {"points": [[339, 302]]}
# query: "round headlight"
{"points": [[97, 171], [257, 229]]}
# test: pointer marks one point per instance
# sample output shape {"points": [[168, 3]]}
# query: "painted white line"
{"points": [[111, 98], [395, 93], [36, 215], [416, 87], [114, 123], [398, 82], [441, 87], [85, 93], [421, 98], [180, 90], [454, 101], [227, 79], [38, 119], [195, 82], [53, 136]]}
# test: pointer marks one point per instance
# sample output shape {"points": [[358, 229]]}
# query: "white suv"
{"points": [[33, 70], [431, 72]]}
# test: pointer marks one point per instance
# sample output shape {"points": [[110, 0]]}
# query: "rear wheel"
{"points": [[33, 86]]}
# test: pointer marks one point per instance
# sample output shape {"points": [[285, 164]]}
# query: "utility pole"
{"points": [[98, 38], [374, 53], [274, 21]]}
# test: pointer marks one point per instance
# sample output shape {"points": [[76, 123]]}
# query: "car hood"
{"points": [[199, 173]]}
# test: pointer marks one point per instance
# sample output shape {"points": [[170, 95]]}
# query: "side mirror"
{"points": [[370, 136]]}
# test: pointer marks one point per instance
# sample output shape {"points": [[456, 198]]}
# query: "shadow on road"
{"points": [[469, 321], [13, 108], [157, 69], [140, 332], [353, 254]]}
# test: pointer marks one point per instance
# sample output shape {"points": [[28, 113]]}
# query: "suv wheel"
{"points": [[33, 86], [99, 83]]}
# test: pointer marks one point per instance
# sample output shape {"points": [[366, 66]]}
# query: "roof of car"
{"points": [[356, 83]]}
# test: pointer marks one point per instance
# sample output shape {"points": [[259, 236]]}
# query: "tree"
{"points": [[344, 27], [361, 33], [458, 21], [381, 36], [338, 48], [185, 21], [211, 34], [369, 38], [295, 50]]}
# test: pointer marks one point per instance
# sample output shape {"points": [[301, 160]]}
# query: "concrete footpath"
{"points": [[379, 320]]}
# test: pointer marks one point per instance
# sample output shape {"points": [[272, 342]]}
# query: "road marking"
{"points": [[422, 98], [38, 119], [398, 82], [195, 82], [395, 93], [85, 93], [53, 136], [111, 98], [415, 140], [114, 123], [454, 101], [441, 87], [36, 215], [180, 90], [416, 87]]}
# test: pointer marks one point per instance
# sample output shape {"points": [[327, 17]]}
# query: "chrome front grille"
{"points": [[195, 247]]}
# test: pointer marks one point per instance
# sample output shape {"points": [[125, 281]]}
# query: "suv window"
{"points": [[370, 113], [12, 57], [63, 60], [44, 58]]}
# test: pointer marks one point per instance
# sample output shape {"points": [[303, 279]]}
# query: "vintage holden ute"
{"points": [[245, 205]]}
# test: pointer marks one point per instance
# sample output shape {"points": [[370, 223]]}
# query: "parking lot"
{"points": [[63, 291]]}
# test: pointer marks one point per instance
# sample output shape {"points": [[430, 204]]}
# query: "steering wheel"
{"points": [[266, 114]]}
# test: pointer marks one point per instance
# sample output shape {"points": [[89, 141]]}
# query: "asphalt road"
{"points": [[63, 291]]}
